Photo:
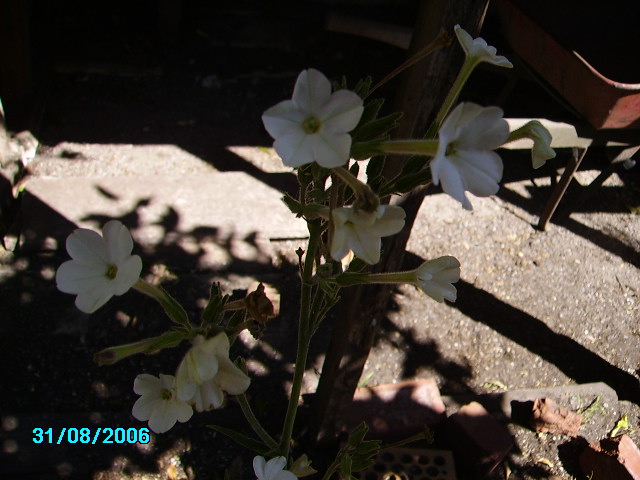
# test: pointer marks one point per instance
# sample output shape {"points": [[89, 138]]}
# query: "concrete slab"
{"points": [[197, 211]]}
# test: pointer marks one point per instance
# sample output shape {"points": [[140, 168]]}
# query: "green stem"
{"points": [[303, 338], [463, 75], [347, 177], [391, 277], [255, 423], [366, 199], [442, 40], [331, 470], [409, 147], [170, 305], [425, 435]]}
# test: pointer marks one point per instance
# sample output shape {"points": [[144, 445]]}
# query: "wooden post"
{"points": [[424, 87]]}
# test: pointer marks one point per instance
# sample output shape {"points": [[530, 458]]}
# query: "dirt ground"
{"points": [[535, 309]]}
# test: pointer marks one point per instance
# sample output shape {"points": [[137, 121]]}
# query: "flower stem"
{"points": [[463, 75], [391, 277], [409, 147], [255, 423], [442, 40], [332, 469], [366, 199], [424, 435], [170, 305], [304, 338]]}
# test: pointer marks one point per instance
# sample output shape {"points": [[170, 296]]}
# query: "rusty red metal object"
{"points": [[567, 45]]}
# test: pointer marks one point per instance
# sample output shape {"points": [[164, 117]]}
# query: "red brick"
{"points": [[615, 458], [549, 417], [479, 442], [396, 410]]}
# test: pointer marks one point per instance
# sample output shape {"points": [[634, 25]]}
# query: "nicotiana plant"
{"points": [[327, 135]]}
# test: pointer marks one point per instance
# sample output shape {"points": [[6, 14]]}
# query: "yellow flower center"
{"points": [[112, 271], [311, 125], [166, 394], [450, 151]]}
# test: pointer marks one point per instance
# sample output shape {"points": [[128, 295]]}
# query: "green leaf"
{"points": [[242, 440], [236, 319], [166, 340], [172, 307], [376, 129], [357, 435], [368, 447], [292, 204], [371, 111], [359, 464], [363, 87], [357, 265], [376, 166], [413, 165], [350, 278], [345, 466], [213, 313], [111, 355], [406, 183], [622, 424]]}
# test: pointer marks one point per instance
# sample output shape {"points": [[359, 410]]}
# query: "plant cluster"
{"points": [[327, 134]]}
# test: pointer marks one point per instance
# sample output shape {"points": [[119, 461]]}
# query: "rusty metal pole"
{"points": [[424, 87]]}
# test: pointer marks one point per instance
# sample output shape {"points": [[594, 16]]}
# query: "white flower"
{"points": [[272, 470], [479, 50], [465, 160], [101, 266], [361, 231], [301, 467], [206, 371], [313, 125], [541, 151], [435, 278], [159, 403]]}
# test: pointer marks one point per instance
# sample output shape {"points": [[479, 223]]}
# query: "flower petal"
{"points": [[365, 246], [205, 366], [145, 384], [294, 148], [185, 385], [286, 475], [477, 48], [163, 416], [128, 274], [342, 112], [339, 246], [218, 345], [311, 91], [118, 241], [207, 396], [75, 277], [390, 220], [87, 246], [92, 300], [258, 467], [330, 150], [144, 407], [283, 118], [274, 467], [439, 291], [481, 128], [230, 378], [183, 411], [443, 171], [481, 171]]}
